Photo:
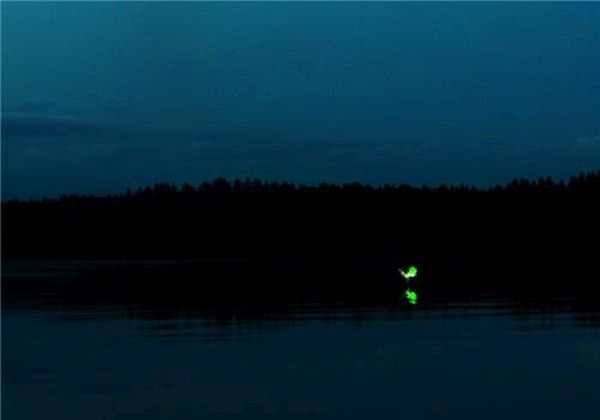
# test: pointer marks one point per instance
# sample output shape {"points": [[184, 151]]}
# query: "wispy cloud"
{"points": [[587, 147], [33, 123]]}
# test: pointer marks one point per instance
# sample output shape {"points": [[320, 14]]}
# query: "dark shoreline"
{"points": [[277, 241]]}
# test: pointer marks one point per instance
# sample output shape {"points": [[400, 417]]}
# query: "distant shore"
{"points": [[252, 220]]}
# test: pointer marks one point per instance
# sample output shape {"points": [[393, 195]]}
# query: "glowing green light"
{"points": [[411, 296], [410, 273]]}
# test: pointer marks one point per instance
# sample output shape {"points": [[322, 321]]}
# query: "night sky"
{"points": [[97, 97]]}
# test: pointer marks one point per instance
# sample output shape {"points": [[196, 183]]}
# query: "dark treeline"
{"points": [[255, 219]]}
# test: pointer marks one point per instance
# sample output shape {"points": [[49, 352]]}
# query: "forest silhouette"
{"points": [[278, 239], [251, 218]]}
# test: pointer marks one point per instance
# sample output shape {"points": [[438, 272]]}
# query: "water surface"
{"points": [[68, 355]]}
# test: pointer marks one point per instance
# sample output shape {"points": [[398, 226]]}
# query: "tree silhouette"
{"points": [[253, 217]]}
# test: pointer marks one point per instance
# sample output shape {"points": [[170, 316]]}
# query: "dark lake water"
{"points": [[68, 354]]}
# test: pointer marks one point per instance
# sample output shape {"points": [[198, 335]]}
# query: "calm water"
{"points": [[69, 357]]}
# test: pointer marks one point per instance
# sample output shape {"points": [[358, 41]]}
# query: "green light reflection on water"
{"points": [[411, 296]]}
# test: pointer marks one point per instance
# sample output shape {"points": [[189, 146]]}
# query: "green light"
{"points": [[411, 296], [410, 273]]}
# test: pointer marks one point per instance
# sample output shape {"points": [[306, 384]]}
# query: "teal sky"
{"points": [[97, 97]]}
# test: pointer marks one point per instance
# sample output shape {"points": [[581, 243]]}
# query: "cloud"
{"points": [[588, 142], [587, 147], [26, 124], [250, 147], [41, 107]]}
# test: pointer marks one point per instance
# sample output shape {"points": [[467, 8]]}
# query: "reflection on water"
{"points": [[76, 346], [226, 322]]}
